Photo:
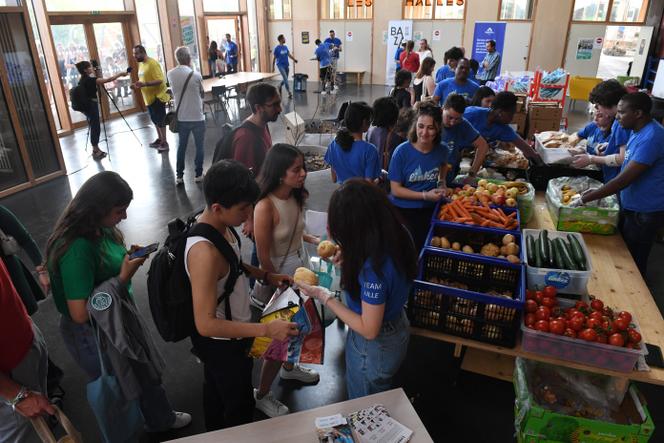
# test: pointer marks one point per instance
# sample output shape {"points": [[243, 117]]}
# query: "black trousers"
{"points": [[418, 222], [228, 396], [92, 113]]}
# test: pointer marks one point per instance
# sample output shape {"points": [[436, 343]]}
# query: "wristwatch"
{"points": [[22, 395]]}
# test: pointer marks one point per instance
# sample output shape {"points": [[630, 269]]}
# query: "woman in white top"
{"points": [[425, 50], [424, 85], [279, 232]]}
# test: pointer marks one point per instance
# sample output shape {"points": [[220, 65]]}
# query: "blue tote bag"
{"points": [[120, 420]]}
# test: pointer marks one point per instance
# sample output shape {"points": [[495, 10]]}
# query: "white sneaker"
{"points": [[179, 181], [198, 179], [336, 88], [182, 419], [323, 92], [333, 92], [300, 373], [269, 405]]}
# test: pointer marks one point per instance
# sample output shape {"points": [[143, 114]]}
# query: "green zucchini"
{"points": [[577, 251], [538, 253], [566, 255], [530, 249], [557, 256], [544, 247]]}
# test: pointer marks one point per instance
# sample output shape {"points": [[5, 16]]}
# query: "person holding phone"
{"points": [[85, 249]]}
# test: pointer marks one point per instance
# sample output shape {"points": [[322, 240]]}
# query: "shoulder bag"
{"points": [[172, 117]]}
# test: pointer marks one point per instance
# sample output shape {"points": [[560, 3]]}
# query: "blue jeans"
{"points": [[283, 70], [371, 364], [639, 229], [80, 341], [184, 129]]}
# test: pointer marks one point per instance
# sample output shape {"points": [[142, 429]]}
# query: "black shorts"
{"points": [[325, 73], [157, 110]]}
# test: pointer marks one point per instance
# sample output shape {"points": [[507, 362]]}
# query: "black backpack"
{"points": [[79, 98], [169, 287], [224, 148]]}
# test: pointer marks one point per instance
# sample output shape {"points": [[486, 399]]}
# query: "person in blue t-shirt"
{"points": [[348, 155], [417, 171], [474, 67], [460, 84], [607, 139], [397, 55], [335, 48], [231, 54], [281, 55], [459, 134], [640, 181], [451, 58], [493, 123], [378, 267], [322, 54]]}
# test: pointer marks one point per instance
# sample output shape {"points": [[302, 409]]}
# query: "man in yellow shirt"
{"points": [[153, 87]]}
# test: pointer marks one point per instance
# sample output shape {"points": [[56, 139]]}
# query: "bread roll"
{"points": [[304, 275], [326, 249]]}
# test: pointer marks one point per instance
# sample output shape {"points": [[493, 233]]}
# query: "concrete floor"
{"points": [[451, 404]]}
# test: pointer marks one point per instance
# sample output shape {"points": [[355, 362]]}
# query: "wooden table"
{"points": [[615, 280], [299, 427], [236, 79]]}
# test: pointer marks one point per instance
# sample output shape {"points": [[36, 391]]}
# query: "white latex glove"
{"points": [[575, 202], [318, 292], [581, 161]]}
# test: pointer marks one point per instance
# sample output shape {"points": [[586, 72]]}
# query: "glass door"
{"points": [[112, 52], [218, 27], [71, 47]]}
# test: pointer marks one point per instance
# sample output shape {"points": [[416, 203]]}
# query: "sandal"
{"points": [[98, 155]]}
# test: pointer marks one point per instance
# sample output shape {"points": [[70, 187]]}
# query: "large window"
{"points": [[278, 9], [629, 11], [148, 26], [346, 9], [221, 5], [189, 31], [439, 9], [77, 5], [449, 9], [418, 9], [516, 9]]}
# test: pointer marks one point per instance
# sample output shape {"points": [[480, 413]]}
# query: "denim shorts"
{"points": [[372, 364], [157, 111]]}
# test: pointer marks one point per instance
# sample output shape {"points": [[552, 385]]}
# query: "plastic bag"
{"points": [[579, 185]]}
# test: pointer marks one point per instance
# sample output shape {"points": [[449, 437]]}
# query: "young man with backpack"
{"points": [[223, 330]]}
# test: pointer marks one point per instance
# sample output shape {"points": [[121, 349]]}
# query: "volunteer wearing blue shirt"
{"points": [[493, 123], [458, 134], [322, 54], [460, 84], [335, 48], [607, 139], [348, 155], [231, 54], [490, 64], [417, 170], [378, 267], [397, 54], [281, 56], [452, 57], [641, 179]]}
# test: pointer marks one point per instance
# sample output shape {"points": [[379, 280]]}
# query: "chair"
{"points": [[580, 87], [218, 101]]}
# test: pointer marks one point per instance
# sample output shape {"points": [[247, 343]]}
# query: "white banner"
{"points": [[398, 32]]}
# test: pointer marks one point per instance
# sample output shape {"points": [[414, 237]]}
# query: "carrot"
{"points": [[485, 223], [463, 210], [443, 212], [464, 220], [495, 224], [453, 212], [512, 215], [501, 215]]}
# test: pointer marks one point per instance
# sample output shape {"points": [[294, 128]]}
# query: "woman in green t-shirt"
{"points": [[86, 249]]}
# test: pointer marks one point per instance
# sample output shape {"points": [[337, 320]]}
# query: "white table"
{"points": [[299, 427], [236, 79]]}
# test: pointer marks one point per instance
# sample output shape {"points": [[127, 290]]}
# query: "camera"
{"points": [[129, 69]]}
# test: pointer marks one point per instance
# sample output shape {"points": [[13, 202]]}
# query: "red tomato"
{"points": [[576, 323], [557, 312], [626, 315], [557, 327], [530, 295], [569, 313], [620, 324], [593, 323], [549, 302], [634, 335], [596, 314], [543, 313], [569, 332], [550, 291], [597, 304], [581, 305], [617, 340], [531, 306], [588, 334], [539, 295], [530, 319], [601, 338], [542, 325]]}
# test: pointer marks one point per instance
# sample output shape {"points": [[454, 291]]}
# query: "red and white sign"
{"points": [[349, 36], [598, 42], [436, 35]]}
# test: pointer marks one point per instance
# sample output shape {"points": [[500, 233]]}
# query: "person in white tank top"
{"points": [[279, 233]]}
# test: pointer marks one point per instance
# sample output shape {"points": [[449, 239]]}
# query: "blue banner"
{"points": [[485, 31]]}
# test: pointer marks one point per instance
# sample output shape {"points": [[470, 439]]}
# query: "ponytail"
{"points": [[344, 138]]}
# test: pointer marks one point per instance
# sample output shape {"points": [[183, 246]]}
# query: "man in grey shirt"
{"points": [[490, 64], [190, 112]]}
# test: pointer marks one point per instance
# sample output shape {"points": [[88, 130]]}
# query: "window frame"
{"points": [[270, 19], [608, 21], [322, 4], [533, 11], [434, 6]]}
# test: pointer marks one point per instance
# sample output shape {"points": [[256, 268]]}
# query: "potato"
{"points": [[326, 249], [513, 259], [456, 246], [512, 249], [507, 239], [490, 250], [467, 249], [445, 243], [306, 276], [435, 242], [503, 250]]}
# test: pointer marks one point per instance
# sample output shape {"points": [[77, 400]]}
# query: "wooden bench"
{"points": [[359, 75]]}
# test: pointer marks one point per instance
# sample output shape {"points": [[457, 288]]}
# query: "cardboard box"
{"points": [[535, 126], [542, 112], [521, 103], [519, 120]]}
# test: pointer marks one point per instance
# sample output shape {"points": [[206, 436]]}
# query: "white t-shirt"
{"points": [[424, 54], [239, 299], [191, 109]]}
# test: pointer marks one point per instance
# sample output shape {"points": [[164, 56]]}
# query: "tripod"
{"points": [[103, 120]]}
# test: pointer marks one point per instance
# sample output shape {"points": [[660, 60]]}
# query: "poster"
{"points": [[349, 36], [187, 25], [485, 31], [305, 37], [584, 49], [417, 36], [436, 35], [398, 31]]}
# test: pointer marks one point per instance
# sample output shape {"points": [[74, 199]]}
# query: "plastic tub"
{"points": [[567, 281], [470, 312], [573, 349], [505, 209], [471, 236]]}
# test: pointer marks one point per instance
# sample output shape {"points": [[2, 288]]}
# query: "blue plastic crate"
{"points": [[473, 236], [468, 311], [506, 210]]}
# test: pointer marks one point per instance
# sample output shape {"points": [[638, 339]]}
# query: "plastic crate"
{"points": [[567, 281], [470, 313], [506, 210], [471, 236], [573, 349]]}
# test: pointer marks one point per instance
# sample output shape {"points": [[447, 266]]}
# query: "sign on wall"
{"points": [[485, 31], [584, 49], [398, 31]]}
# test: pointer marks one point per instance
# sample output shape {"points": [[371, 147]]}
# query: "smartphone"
{"points": [[654, 357], [142, 252]]}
